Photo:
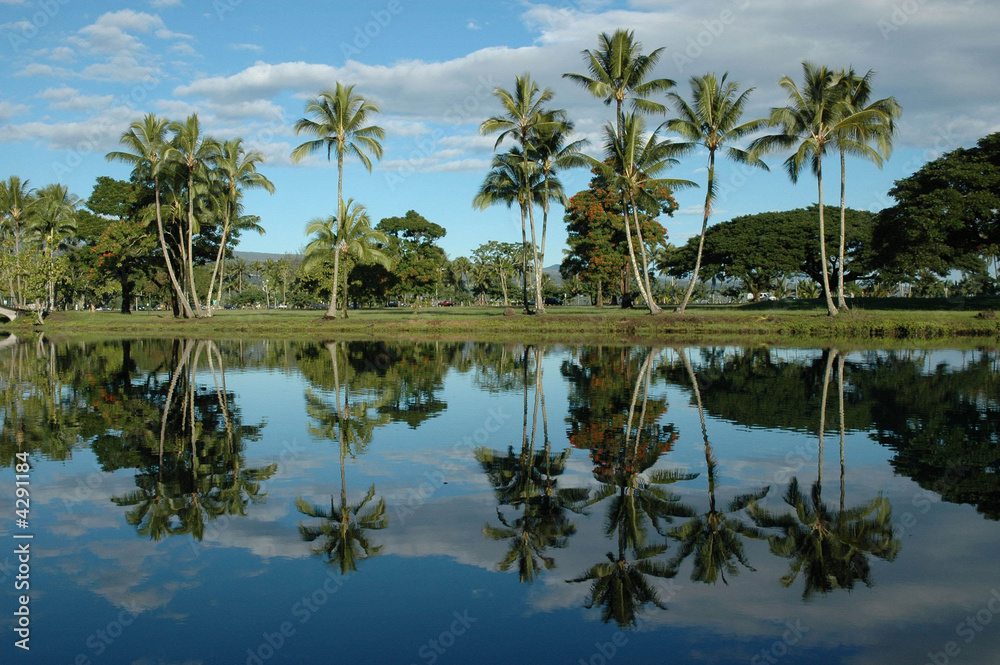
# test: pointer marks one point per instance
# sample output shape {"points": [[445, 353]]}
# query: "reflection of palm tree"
{"points": [[830, 548], [714, 537], [343, 528], [637, 498], [526, 480]]}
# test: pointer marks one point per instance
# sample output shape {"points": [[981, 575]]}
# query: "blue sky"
{"points": [[74, 74]]}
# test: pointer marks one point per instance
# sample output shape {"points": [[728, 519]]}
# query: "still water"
{"points": [[403, 503]]}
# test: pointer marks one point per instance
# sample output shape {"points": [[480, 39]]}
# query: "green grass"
{"points": [[870, 322]]}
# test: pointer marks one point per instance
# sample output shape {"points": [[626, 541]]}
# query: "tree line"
{"points": [[172, 227]]}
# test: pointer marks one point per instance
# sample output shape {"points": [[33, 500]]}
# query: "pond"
{"points": [[194, 501]]}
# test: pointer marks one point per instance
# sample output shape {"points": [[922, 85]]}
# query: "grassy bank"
{"points": [[870, 321]]}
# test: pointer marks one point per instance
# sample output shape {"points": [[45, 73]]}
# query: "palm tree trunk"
{"points": [[704, 227], [190, 246], [524, 259], [822, 242], [536, 263], [331, 312], [219, 256], [345, 292], [841, 301], [178, 291], [642, 281]]}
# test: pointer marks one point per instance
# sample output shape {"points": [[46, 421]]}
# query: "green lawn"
{"points": [[947, 321]]}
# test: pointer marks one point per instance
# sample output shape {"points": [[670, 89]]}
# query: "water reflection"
{"points": [[715, 537], [596, 511], [635, 498], [343, 530], [527, 480], [188, 453]]}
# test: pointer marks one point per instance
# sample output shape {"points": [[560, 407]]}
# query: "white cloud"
{"points": [[473, 25], [70, 99], [122, 67], [256, 48], [9, 109]]}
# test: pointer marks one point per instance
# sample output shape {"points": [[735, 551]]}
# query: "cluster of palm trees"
{"points": [[34, 225], [832, 110], [198, 182]]}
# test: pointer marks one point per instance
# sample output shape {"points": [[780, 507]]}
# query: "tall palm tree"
{"points": [[54, 221], [874, 123], [553, 151], [513, 179], [147, 151], [712, 121], [633, 162], [618, 71], [339, 121], [16, 202], [351, 234], [524, 116], [235, 172], [195, 154], [815, 116]]}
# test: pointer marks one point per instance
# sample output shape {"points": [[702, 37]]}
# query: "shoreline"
{"points": [[761, 324]]}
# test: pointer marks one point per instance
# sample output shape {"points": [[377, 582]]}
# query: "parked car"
{"points": [[553, 301], [446, 303]]}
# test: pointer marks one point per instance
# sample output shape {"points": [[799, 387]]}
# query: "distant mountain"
{"points": [[250, 257]]}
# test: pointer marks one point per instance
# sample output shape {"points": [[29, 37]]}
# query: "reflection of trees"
{"points": [[714, 537], [343, 530], [196, 474], [528, 480], [636, 500], [942, 422], [36, 415], [830, 548]]}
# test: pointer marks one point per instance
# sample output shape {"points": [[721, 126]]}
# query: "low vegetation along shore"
{"points": [[911, 320]]}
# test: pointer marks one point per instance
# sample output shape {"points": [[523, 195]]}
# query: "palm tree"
{"points": [[524, 117], [147, 151], [351, 234], [618, 71], [815, 117], [874, 122], [16, 202], [633, 162], [713, 122], [54, 220], [552, 151], [513, 179], [236, 171], [340, 124], [196, 154]]}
